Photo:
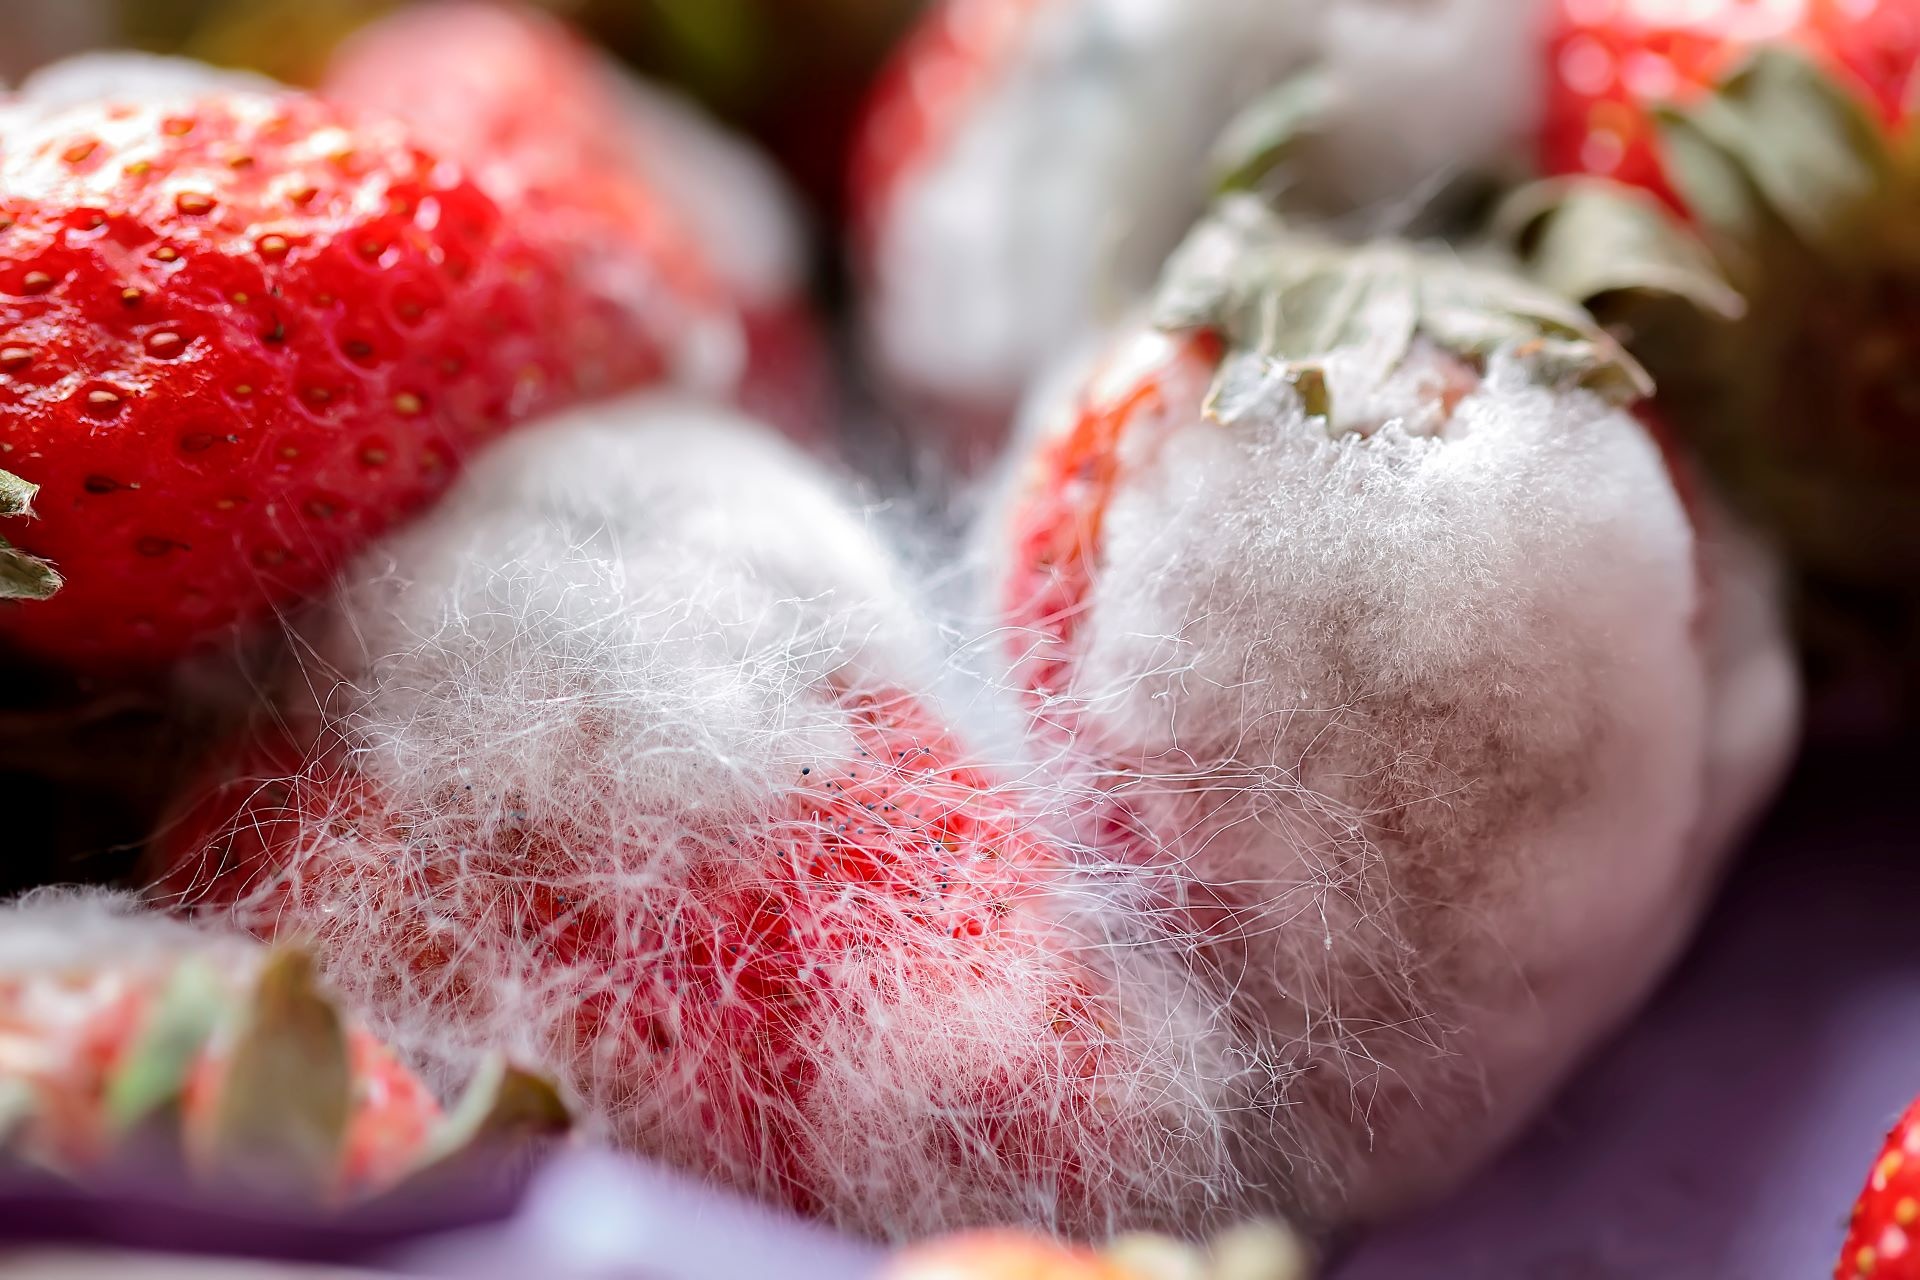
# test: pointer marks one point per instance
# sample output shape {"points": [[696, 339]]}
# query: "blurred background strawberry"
{"points": [[791, 72]]}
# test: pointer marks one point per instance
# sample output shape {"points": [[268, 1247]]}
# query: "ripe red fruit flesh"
{"points": [[238, 339]]}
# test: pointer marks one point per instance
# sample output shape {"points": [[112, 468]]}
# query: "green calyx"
{"points": [[1290, 302], [1253, 152], [22, 577], [1781, 316], [1785, 175], [1781, 149]]}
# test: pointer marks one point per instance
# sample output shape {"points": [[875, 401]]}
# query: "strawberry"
{"points": [[629, 771], [240, 336], [1612, 66], [1004, 1255], [1880, 1232], [119, 1029], [1261, 1252], [652, 195], [922, 95], [888, 850], [1024, 166], [1297, 579], [1778, 139]]}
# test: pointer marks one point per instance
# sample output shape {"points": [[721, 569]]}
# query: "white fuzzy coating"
{"points": [[595, 676], [1069, 178], [1064, 184], [57, 931], [1434, 723]]}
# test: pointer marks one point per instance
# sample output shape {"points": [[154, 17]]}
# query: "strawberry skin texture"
{"points": [[240, 337], [461, 75], [1881, 1234], [1609, 64], [901, 851]]}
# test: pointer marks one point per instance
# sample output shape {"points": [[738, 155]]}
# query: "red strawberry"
{"points": [[119, 1029], [1780, 133], [239, 337], [899, 850], [1610, 62], [650, 194], [669, 816], [1883, 1235]]}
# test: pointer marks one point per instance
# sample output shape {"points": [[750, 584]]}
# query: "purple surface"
{"points": [[599, 1217], [1727, 1134]]}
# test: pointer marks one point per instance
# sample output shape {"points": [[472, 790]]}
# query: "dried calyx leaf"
{"points": [[1593, 241], [150, 1082], [1287, 301], [22, 577], [286, 1093], [1251, 154]]}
